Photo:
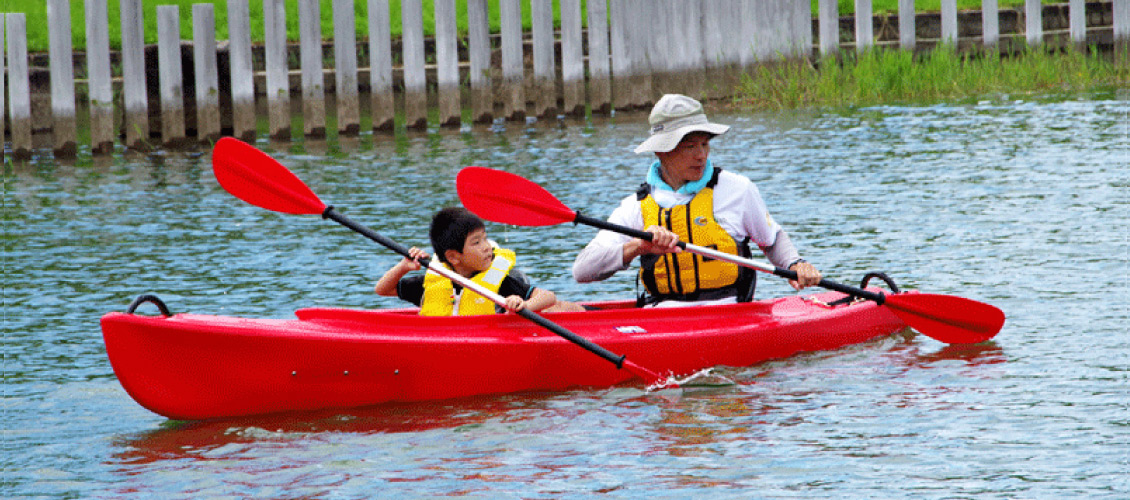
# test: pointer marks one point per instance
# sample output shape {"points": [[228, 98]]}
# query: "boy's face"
{"points": [[477, 252]]}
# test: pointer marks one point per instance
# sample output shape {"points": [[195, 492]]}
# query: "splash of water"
{"points": [[702, 378]]}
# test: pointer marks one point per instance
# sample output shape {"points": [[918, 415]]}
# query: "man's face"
{"points": [[687, 162]]}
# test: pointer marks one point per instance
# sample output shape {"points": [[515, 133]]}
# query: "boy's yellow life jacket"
{"points": [[439, 292], [686, 275]]}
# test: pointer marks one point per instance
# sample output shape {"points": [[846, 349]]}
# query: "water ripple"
{"points": [[1022, 203]]}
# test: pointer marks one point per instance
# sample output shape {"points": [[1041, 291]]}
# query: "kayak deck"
{"points": [[190, 366]]}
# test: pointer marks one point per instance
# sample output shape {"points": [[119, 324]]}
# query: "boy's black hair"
{"points": [[450, 228]]}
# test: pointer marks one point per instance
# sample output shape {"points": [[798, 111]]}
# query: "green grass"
{"points": [[36, 12], [894, 76]]}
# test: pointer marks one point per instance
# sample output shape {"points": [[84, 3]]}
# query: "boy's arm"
{"points": [[520, 293], [539, 299], [386, 286]]}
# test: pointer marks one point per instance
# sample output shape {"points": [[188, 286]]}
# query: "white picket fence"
{"points": [[624, 54]]}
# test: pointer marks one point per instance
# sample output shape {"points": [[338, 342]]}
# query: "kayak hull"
{"points": [[191, 367]]}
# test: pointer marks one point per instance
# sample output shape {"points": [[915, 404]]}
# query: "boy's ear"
{"points": [[453, 256]]}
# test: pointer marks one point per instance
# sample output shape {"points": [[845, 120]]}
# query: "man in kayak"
{"points": [[459, 239], [686, 198]]}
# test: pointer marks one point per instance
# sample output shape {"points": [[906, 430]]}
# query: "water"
{"points": [[1020, 203]]}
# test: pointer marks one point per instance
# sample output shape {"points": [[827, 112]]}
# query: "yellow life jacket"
{"points": [[439, 292], [688, 276]]}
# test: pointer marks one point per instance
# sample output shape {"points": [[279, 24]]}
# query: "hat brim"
{"points": [[666, 141]]}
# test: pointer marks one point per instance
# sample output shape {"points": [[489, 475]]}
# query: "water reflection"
{"points": [[766, 397], [194, 440], [692, 422]]}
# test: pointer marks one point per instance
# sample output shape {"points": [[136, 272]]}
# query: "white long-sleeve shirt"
{"points": [[738, 208]]}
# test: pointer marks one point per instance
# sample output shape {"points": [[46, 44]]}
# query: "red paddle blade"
{"points": [[253, 176], [654, 380], [949, 319], [509, 199]]}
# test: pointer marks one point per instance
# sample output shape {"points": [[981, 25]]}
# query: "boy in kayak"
{"points": [[686, 198], [459, 239]]}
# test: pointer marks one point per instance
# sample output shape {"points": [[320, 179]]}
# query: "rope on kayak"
{"points": [[141, 299], [863, 284]]}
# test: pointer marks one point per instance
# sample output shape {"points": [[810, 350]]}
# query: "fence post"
{"points": [[478, 34], [277, 66], [382, 105], [712, 47], [62, 77], [513, 71], [949, 23], [313, 78], [207, 76], [345, 68], [447, 63], [1121, 27], [760, 30], [864, 29], [907, 16], [600, 87], [829, 12], [545, 80], [240, 70], [661, 54], [747, 27], [1033, 22], [19, 86], [3, 90], [990, 24], [1077, 19], [780, 12], [621, 58], [415, 79], [100, 90], [802, 46], [170, 76], [641, 66], [135, 94], [572, 59], [781, 29], [731, 25], [692, 70]]}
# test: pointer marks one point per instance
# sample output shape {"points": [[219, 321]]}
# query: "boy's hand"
{"points": [[414, 263], [515, 303]]}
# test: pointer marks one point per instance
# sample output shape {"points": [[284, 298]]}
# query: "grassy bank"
{"points": [[36, 12], [887, 76]]}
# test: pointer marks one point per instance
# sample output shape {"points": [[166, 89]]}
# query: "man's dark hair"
{"points": [[450, 228]]}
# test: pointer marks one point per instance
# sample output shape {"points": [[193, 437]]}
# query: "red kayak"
{"points": [[191, 366]]}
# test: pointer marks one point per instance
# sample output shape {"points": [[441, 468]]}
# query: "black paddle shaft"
{"points": [[335, 216], [879, 298]]}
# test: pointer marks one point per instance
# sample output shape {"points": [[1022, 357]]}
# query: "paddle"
{"points": [[511, 199], [253, 176]]}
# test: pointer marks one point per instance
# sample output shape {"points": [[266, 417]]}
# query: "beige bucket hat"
{"points": [[672, 118]]}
